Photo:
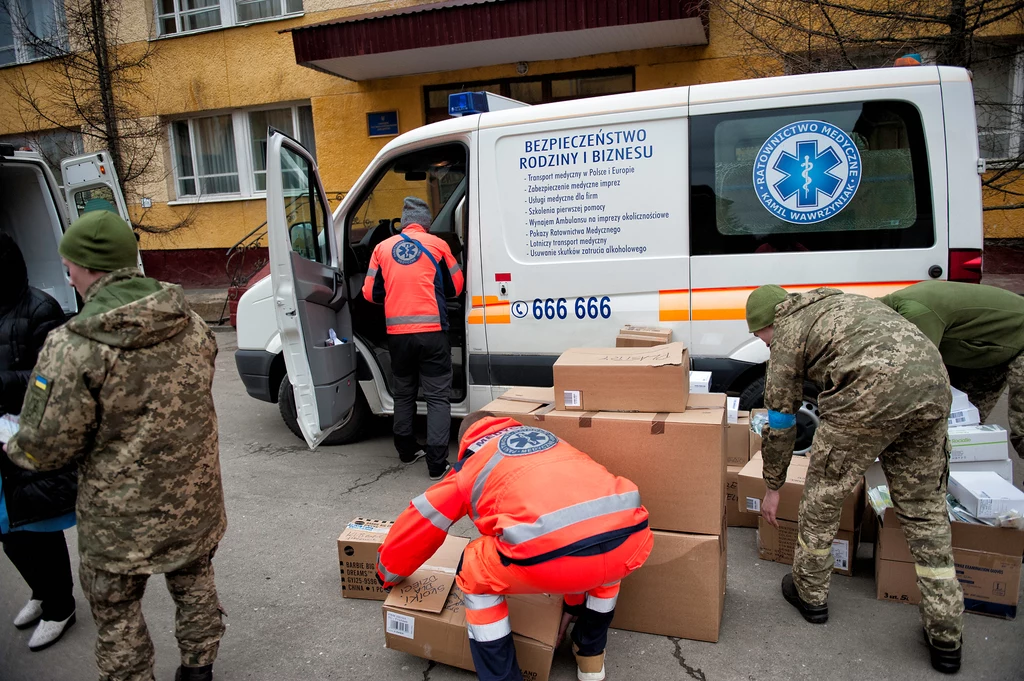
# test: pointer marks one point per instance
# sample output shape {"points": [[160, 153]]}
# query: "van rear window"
{"points": [[824, 178]]}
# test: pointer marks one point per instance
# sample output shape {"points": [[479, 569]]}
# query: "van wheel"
{"points": [[349, 431], [807, 417]]}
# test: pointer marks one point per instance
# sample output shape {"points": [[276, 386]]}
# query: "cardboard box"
{"points": [[425, 616], [679, 591], [733, 412], [625, 340], [984, 494], [653, 333], [987, 560], [357, 558], [677, 460], [623, 379], [700, 381], [735, 517], [737, 436], [978, 443], [964, 417], [751, 491], [777, 545]]}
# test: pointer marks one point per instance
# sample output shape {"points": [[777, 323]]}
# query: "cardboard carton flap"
{"points": [[528, 394], [659, 355], [427, 589], [538, 397]]}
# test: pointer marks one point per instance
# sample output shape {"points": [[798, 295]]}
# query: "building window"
{"points": [[185, 16], [31, 30], [998, 75], [538, 90], [226, 154], [52, 145]]}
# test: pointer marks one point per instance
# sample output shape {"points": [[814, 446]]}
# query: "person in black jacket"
{"points": [[35, 508]]}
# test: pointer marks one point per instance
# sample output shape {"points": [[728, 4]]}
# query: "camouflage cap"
{"points": [[101, 241], [761, 306]]}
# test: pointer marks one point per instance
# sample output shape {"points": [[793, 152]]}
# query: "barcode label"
{"points": [[572, 398], [957, 417], [753, 505], [401, 625], [841, 553]]}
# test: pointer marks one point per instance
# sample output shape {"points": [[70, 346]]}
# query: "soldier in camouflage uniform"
{"points": [[124, 388], [980, 332], [884, 394]]}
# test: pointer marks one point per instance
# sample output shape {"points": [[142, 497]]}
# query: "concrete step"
{"points": [[209, 303]]}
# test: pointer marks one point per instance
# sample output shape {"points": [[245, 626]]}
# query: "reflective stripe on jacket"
{"points": [[540, 497], [402, 277]]}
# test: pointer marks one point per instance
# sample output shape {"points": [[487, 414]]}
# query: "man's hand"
{"points": [[770, 506]]}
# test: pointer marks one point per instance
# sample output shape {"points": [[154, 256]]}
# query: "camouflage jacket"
{"points": [[124, 388], [873, 368]]}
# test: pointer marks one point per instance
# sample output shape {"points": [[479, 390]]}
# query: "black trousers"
{"points": [[422, 359], [42, 559]]}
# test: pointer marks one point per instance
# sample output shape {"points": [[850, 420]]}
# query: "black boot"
{"points": [[815, 614], [204, 673], [944, 658]]}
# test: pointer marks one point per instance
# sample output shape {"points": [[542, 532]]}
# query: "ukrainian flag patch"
{"points": [[42, 383], [35, 401]]}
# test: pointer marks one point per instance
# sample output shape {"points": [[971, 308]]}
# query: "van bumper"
{"points": [[254, 370]]}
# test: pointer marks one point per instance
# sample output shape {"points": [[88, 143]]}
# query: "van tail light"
{"points": [[965, 265]]}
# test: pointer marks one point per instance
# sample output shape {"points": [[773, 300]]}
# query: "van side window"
{"points": [[304, 208], [850, 176]]}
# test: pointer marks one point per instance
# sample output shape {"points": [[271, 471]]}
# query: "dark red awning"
{"points": [[468, 34]]}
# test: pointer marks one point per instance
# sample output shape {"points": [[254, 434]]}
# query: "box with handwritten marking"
{"points": [[623, 379], [357, 558], [425, 616]]}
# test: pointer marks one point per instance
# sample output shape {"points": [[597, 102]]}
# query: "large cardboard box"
{"points": [[357, 558], [751, 491], [987, 560], [977, 443], [737, 447], [677, 460], [425, 616], [679, 591], [778, 544], [735, 516], [623, 379]]}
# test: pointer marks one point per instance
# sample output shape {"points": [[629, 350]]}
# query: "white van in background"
{"points": [[34, 210], [662, 208]]}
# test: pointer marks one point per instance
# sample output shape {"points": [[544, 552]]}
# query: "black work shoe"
{"points": [[815, 614], [441, 473], [413, 458], [204, 673], [944, 658]]}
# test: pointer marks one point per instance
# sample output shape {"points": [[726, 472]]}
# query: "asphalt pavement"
{"points": [[277, 574]]}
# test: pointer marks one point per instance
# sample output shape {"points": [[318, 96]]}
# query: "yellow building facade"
{"points": [[217, 77]]}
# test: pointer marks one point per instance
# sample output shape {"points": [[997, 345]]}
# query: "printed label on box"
{"points": [[841, 553], [401, 625], [753, 505], [572, 398]]}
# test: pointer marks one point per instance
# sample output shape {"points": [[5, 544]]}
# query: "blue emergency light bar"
{"points": [[468, 103]]}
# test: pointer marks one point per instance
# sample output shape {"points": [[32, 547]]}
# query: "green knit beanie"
{"points": [[761, 306], [101, 241]]}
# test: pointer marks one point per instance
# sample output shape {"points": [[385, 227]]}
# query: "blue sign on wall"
{"points": [[382, 123]]}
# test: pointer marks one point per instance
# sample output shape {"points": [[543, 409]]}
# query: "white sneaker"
{"points": [[590, 676], [48, 632], [29, 615]]}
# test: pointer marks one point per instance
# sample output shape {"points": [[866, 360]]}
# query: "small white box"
{"points": [[732, 409], [978, 443], [960, 400], [964, 417], [700, 381], [985, 494], [1004, 468]]}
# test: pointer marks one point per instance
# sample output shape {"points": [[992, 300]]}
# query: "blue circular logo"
{"points": [[520, 309], [525, 440], [807, 172], [405, 252]]}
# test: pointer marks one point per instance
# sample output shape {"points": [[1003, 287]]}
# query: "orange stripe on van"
{"points": [[495, 311], [721, 304], [481, 301], [674, 306]]}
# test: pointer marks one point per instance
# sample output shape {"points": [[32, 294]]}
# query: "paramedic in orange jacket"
{"points": [[553, 521], [412, 274]]}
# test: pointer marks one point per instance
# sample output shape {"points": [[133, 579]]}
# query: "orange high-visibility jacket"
{"points": [[540, 497], [412, 289]]}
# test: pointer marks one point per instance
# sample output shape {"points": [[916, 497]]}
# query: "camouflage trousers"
{"points": [[124, 651], [984, 386], [916, 465]]}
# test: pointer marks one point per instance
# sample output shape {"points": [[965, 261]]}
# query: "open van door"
{"points": [[90, 183], [310, 300]]}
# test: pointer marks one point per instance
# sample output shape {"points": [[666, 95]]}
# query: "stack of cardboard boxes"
{"points": [[630, 409]]}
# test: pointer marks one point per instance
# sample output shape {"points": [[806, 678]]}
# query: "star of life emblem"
{"points": [[405, 252], [525, 440]]}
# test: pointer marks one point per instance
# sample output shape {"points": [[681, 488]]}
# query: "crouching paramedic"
{"points": [[553, 521]]}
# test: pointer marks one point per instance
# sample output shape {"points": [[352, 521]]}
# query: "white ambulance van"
{"points": [[662, 208], [35, 212]]}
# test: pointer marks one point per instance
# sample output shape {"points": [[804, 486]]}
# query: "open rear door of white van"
{"points": [[90, 183], [309, 291]]}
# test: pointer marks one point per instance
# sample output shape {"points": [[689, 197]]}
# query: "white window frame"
{"points": [[21, 46], [245, 165], [228, 17], [1015, 130]]}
